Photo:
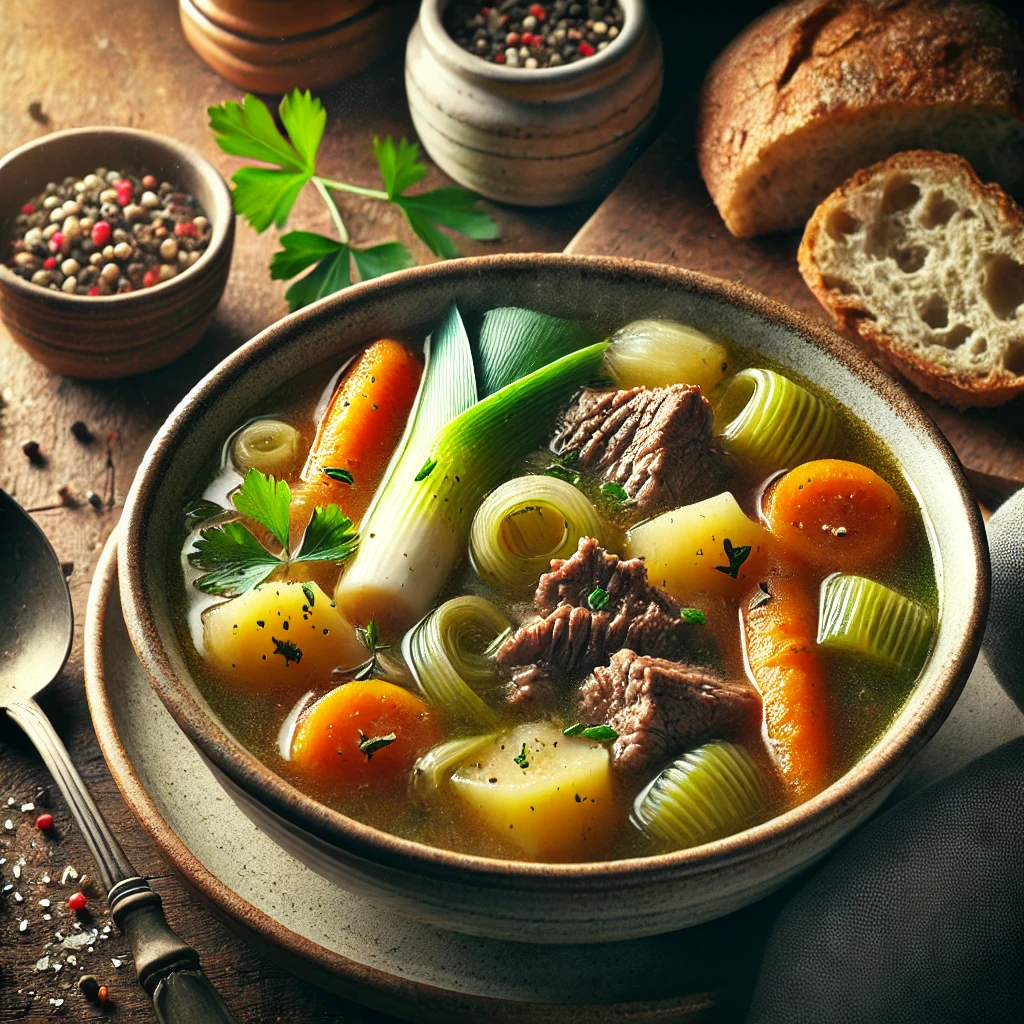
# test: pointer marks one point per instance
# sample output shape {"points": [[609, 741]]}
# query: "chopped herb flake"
{"points": [[615, 491], [307, 589], [343, 476], [369, 745], [736, 556], [693, 616], [600, 733], [522, 758], [428, 468], [289, 651], [597, 599]]}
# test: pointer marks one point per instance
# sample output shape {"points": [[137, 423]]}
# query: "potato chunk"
{"points": [[555, 802], [273, 639], [684, 548]]}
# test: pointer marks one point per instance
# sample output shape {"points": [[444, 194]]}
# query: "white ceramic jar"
{"points": [[533, 137]]}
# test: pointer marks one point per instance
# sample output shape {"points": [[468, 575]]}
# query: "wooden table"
{"points": [[128, 64]]}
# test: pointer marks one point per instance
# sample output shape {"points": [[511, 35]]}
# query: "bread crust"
{"points": [[957, 389], [829, 64]]}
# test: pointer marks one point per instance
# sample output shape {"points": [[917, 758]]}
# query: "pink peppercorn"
{"points": [[44, 822], [28, 208], [538, 11], [56, 240], [100, 232], [185, 227], [512, 39], [77, 901], [586, 49], [124, 191], [49, 263], [94, 290], [499, 58], [152, 277]]}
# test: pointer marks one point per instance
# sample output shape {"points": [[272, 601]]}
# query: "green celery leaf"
{"points": [[301, 249], [400, 166], [330, 537], [248, 129], [331, 275], [267, 501], [515, 341], [304, 117], [264, 196], [233, 559], [381, 259]]}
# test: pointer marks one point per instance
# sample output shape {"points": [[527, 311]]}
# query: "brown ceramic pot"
{"points": [[114, 335], [556, 903]]}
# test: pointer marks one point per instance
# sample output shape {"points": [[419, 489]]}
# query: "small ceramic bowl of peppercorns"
{"points": [[116, 246], [532, 103]]}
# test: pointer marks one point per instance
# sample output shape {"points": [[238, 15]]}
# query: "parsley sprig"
{"points": [[266, 195], [233, 560]]}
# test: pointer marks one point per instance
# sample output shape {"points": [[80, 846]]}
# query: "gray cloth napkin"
{"points": [[918, 918]]}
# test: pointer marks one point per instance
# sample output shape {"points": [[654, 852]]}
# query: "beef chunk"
{"points": [[662, 708], [570, 638], [654, 442], [531, 689]]}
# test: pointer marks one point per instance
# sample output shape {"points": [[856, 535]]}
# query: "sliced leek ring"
{"points": [[432, 771], [523, 524], [711, 792], [772, 423], [447, 652], [859, 615], [659, 353], [270, 446]]}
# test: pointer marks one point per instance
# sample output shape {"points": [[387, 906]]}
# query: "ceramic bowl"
{"points": [[279, 49], [533, 137], [114, 335], [548, 902]]}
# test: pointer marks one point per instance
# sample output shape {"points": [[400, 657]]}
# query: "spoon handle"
{"points": [[168, 968]]}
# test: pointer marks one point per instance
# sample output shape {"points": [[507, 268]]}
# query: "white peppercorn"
{"points": [[70, 283], [70, 266]]}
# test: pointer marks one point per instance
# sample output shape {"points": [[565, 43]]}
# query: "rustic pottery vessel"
{"points": [[273, 46], [533, 137], [108, 336], [554, 903]]}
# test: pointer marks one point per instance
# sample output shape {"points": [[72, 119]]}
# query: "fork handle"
{"points": [[168, 968]]}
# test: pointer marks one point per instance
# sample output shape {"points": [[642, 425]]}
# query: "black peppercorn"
{"points": [[81, 432]]}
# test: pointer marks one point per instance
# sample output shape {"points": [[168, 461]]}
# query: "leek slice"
{"points": [[420, 525], [658, 353], [434, 768], [772, 423], [516, 341], [449, 657], [523, 524], [269, 445], [711, 792], [860, 615]]}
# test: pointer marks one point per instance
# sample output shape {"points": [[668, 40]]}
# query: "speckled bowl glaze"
{"points": [[108, 336], [533, 137], [554, 903]]}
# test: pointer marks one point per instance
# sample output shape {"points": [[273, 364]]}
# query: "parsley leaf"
{"points": [[329, 537], [600, 733], [343, 476], [597, 599], [693, 616], [736, 556], [304, 118], [233, 560], [201, 510], [400, 166], [523, 757], [369, 745], [248, 129], [330, 275], [268, 502], [378, 260], [266, 197], [301, 250]]}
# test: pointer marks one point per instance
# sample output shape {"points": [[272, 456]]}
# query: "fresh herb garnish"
{"points": [[428, 468], [307, 589], [343, 476], [369, 745], [761, 596], [614, 491], [234, 561], [522, 758], [201, 510], [369, 637], [736, 556], [600, 733], [563, 473], [266, 195], [693, 616], [597, 599], [289, 651]]}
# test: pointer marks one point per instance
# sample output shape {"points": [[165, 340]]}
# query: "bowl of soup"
{"points": [[554, 598]]}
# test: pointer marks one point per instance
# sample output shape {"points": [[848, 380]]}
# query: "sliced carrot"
{"points": [[837, 516], [364, 732], [358, 433], [784, 661]]}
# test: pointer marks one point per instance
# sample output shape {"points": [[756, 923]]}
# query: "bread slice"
{"points": [[815, 89], [926, 264]]}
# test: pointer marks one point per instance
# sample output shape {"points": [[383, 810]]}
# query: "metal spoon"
{"points": [[36, 628]]}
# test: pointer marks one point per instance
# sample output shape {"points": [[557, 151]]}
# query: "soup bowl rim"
{"points": [[932, 698]]}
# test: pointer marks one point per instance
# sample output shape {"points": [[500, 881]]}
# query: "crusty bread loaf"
{"points": [[926, 264], [815, 89]]}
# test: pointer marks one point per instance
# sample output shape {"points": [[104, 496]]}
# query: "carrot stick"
{"points": [[837, 516], [358, 433], [782, 653]]}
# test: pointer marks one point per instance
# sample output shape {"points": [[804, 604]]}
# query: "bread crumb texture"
{"points": [[926, 264], [815, 89]]}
